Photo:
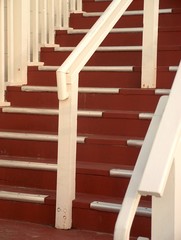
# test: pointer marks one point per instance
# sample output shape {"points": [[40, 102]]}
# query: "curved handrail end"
{"points": [[62, 85]]}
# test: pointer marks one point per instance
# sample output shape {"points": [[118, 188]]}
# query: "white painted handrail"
{"points": [[25, 26], [132, 196], [67, 81], [85, 49], [166, 155]]}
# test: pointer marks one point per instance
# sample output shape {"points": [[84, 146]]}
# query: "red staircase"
{"points": [[114, 115]]}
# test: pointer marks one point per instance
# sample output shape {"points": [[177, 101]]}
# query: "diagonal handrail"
{"points": [[132, 196], [85, 49], [165, 143], [67, 82]]}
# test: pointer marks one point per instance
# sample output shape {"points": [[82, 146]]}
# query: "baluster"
{"points": [[10, 42], [51, 22], [34, 32], [43, 22], [58, 14], [79, 6], [65, 7], [72, 5], [29, 32], [20, 22], [2, 53]]}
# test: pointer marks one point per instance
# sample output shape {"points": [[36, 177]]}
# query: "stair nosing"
{"points": [[127, 13], [104, 48], [115, 172], [81, 89], [114, 30], [92, 68], [42, 111], [135, 142], [23, 197], [34, 136], [27, 165], [114, 207], [81, 113]]}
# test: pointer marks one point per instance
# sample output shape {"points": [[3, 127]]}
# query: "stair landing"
{"points": [[13, 230]]}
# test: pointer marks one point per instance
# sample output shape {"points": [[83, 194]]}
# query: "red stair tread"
{"points": [[27, 190], [85, 199], [97, 168], [28, 231], [103, 139]]}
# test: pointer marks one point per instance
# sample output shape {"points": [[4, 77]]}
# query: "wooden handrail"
{"points": [[132, 196], [67, 81]]}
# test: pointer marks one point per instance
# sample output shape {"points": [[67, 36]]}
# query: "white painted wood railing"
{"points": [[25, 26], [158, 172], [67, 81], [132, 196], [164, 163]]}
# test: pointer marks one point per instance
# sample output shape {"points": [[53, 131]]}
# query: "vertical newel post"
{"points": [[67, 142], [150, 38], [166, 211]]}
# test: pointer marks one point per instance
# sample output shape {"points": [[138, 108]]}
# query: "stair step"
{"points": [[81, 90], [27, 204], [95, 90], [81, 113], [113, 140], [42, 111], [168, 17], [104, 220], [127, 13], [82, 167], [113, 207], [104, 48], [93, 68], [114, 30], [105, 122], [113, 55], [167, 36], [99, 139]]}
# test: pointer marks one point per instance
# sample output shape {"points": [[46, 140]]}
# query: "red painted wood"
{"points": [[107, 153], [120, 101], [113, 39], [27, 148], [106, 220], [105, 146], [119, 126], [41, 78], [25, 122], [28, 178], [81, 22], [33, 99], [166, 55], [92, 6], [14, 230]]}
